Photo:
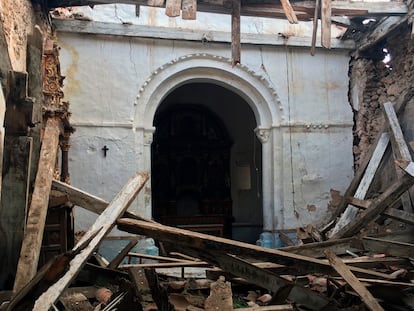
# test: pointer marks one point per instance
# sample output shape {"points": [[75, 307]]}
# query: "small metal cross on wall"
{"points": [[105, 149]]}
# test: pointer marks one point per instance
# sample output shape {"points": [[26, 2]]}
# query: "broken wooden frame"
{"points": [[103, 224]]}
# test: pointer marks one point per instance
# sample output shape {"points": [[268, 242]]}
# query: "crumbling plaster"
{"points": [[308, 119]]}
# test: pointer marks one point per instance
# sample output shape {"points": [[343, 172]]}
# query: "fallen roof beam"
{"points": [[351, 279], [103, 224], [392, 248], [205, 241], [281, 288]]}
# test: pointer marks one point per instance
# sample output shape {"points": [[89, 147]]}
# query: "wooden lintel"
{"points": [[351, 279], [103, 224], [32, 242], [326, 23]]}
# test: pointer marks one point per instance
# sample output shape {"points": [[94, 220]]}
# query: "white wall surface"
{"points": [[105, 73]]}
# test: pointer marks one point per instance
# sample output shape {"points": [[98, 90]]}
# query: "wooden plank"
{"points": [[32, 242], [389, 247], [189, 9], [235, 33], [104, 223], [120, 257], [86, 200], [14, 202], [204, 241], [350, 278], [173, 8], [326, 23], [399, 147], [166, 265], [378, 205], [365, 182], [315, 27], [144, 31], [81, 198], [281, 288], [289, 12], [390, 212], [316, 249]]}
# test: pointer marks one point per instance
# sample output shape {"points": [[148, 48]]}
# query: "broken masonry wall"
{"points": [[375, 80], [22, 29]]}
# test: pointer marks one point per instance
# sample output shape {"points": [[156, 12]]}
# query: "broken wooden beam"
{"points": [[379, 204], [103, 224], [389, 247], [205, 241], [351, 279], [32, 242], [159, 292], [399, 147], [85, 200], [390, 212], [350, 212], [281, 288], [122, 254], [289, 12]]}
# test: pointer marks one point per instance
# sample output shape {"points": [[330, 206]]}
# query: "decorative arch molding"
{"points": [[259, 93], [253, 87]]}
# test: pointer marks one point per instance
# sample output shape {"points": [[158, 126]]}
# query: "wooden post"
{"points": [[173, 8], [235, 33], [103, 224], [189, 9], [289, 12], [350, 278], [315, 26], [326, 22], [32, 242]]}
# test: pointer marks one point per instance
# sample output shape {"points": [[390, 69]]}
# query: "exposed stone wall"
{"points": [[374, 82], [18, 18]]}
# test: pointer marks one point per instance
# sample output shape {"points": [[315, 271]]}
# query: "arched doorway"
{"points": [[206, 163], [251, 86]]}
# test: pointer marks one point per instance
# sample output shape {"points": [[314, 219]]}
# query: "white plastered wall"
{"points": [[115, 84]]}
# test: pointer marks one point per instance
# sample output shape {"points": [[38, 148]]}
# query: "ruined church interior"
{"points": [[189, 155]]}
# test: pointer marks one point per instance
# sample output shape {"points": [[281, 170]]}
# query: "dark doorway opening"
{"points": [[191, 170]]}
